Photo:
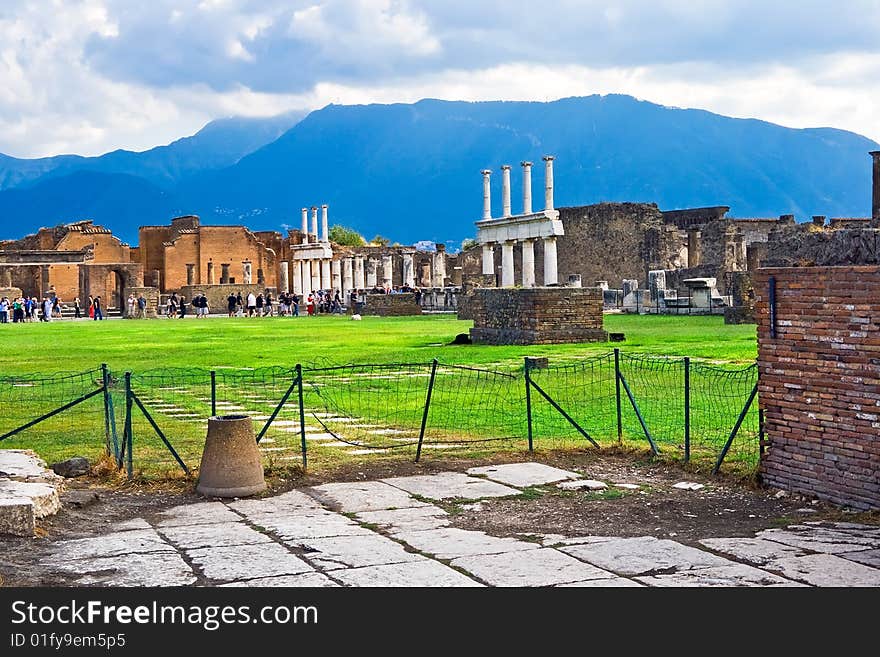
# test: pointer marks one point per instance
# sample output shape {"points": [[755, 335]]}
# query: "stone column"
{"points": [[371, 272], [551, 273], [347, 277], [875, 194], [284, 284], [487, 198], [359, 280], [325, 232], [326, 281], [305, 224], [489, 259], [507, 271], [336, 275], [314, 224], [505, 190], [548, 182], [190, 274], [527, 187], [247, 276], [210, 274], [315, 266], [305, 277], [409, 277], [439, 266], [528, 263], [387, 271], [297, 278], [694, 248]]}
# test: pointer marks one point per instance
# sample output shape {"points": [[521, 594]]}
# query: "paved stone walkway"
{"points": [[388, 533]]}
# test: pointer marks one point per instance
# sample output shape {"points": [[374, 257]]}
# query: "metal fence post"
{"points": [[302, 412], [687, 409], [128, 428], [427, 408], [213, 393], [105, 378], [617, 386], [529, 402]]}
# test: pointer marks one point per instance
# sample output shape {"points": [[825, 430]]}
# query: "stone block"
{"points": [[16, 516], [523, 474]]}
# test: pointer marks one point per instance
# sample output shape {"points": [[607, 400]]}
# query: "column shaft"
{"points": [[488, 259], [507, 270], [528, 263], [551, 274]]}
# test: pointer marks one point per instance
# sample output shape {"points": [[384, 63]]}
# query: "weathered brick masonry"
{"points": [[820, 381], [391, 305], [539, 315]]}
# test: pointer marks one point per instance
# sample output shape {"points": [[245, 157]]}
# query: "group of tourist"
{"points": [[30, 309], [175, 307]]}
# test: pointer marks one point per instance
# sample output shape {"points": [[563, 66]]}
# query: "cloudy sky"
{"points": [[88, 76]]}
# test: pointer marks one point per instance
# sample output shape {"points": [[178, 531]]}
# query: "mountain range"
{"points": [[411, 172]]}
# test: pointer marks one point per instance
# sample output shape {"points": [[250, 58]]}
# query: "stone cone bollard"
{"points": [[231, 465]]}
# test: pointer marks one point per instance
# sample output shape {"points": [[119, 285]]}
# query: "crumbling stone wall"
{"points": [[820, 378], [391, 305], [537, 315], [806, 245]]}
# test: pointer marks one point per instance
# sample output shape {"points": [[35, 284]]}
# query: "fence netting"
{"points": [[391, 408]]}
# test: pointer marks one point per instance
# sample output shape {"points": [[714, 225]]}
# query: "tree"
{"points": [[468, 243], [378, 240], [344, 236]]}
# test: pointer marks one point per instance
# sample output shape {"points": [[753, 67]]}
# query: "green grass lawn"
{"points": [[379, 407], [240, 342]]}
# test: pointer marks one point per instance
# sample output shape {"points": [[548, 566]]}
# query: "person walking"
{"points": [[56, 307], [77, 310], [47, 309], [4, 310], [99, 308], [141, 306], [131, 306], [251, 304], [182, 306], [295, 301], [267, 305]]}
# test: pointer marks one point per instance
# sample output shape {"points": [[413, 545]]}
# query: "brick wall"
{"points": [[820, 382], [537, 315], [391, 305]]}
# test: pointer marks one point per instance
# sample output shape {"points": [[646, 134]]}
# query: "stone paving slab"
{"points": [[755, 551], [137, 569], [240, 562], [308, 580], [415, 573], [451, 485], [820, 539], [120, 544], [202, 513], [542, 567], [44, 496], [134, 523], [218, 535], [409, 519], [290, 502], [358, 496], [733, 575], [643, 555], [16, 516], [867, 557], [581, 484], [523, 474], [451, 542], [291, 528], [827, 570], [353, 551], [24, 465]]}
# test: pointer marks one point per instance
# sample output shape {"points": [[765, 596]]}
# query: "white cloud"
{"points": [[89, 76]]}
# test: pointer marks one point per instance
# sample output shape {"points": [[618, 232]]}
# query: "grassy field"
{"points": [[376, 409], [239, 342]]}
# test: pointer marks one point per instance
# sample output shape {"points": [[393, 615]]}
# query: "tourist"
{"points": [[31, 311], [91, 307], [231, 304], [310, 304], [295, 301], [239, 304], [18, 310], [98, 308], [4, 310], [268, 304], [141, 306], [260, 303], [251, 304], [77, 310], [131, 305], [171, 307], [182, 306], [56, 307], [47, 309], [28, 306]]}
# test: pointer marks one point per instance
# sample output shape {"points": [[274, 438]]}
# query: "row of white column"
{"points": [[354, 273], [508, 278], [325, 232], [527, 188]]}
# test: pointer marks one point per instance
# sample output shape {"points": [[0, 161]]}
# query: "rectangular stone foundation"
{"points": [[539, 315], [391, 305]]}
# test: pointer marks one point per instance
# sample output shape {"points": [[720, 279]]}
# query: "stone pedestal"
{"points": [[537, 315], [231, 464]]}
